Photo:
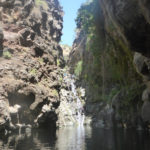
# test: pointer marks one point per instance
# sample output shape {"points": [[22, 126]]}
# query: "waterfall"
{"points": [[79, 107], [71, 108]]}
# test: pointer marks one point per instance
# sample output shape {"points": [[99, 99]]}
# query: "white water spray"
{"points": [[71, 108], [79, 106]]}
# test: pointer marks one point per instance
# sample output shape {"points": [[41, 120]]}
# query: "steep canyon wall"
{"points": [[29, 62], [110, 55]]}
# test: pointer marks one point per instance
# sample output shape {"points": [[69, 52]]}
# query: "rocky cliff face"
{"points": [[66, 52], [132, 23], [111, 36], [29, 74], [110, 57]]}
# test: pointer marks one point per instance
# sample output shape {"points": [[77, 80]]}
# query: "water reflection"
{"points": [[36, 140], [72, 138], [118, 139], [77, 138]]}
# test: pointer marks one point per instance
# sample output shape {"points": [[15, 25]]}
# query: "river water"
{"points": [[77, 138]]}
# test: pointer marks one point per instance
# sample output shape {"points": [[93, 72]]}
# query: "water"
{"points": [[77, 138], [71, 103], [79, 105]]}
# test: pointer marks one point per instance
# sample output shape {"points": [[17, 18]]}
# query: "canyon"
{"points": [[103, 81]]}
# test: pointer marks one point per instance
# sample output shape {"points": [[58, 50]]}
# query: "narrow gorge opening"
{"points": [[78, 68]]}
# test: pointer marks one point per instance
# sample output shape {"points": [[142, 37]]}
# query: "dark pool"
{"points": [[77, 138]]}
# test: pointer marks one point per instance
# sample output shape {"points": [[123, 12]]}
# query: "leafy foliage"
{"points": [[55, 93], [110, 62], [7, 55], [33, 71], [41, 61], [42, 3], [58, 62], [78, 68]]}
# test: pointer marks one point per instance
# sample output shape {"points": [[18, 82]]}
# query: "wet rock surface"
{"points": [[71, 110]]}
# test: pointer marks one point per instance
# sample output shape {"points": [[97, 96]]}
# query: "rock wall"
{"points": [[66, 51], [29, 69], [108, 34], [132, 21]]}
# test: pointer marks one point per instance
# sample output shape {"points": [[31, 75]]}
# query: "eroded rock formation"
{"points": [[29, 76]]}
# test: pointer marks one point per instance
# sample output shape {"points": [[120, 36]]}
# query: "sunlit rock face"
{"points": [[29, 49], [66, 51]]}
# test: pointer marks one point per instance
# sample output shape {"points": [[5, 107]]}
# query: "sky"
{"points": [[70, 8]]}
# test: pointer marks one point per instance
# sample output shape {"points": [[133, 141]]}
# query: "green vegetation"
{"points": [[109, 69], [42, 3], [108, 98], [33, 71], [78, 68], [131, 100], [41, 61], [60, 79], [55, 93], [58, 62], [7, 55]]}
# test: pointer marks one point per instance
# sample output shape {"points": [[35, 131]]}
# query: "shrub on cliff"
{"points": [[42, 3], [7, 54], [78, 68]]}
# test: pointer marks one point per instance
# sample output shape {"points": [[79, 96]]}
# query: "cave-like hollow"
{"points": [[25, 115]]}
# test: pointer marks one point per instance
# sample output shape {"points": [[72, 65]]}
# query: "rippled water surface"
{"points": [[77, 138]]}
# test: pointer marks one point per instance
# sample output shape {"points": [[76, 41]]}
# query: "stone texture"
{"points": [[122, 28], [132, 23], [29, 75]]}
